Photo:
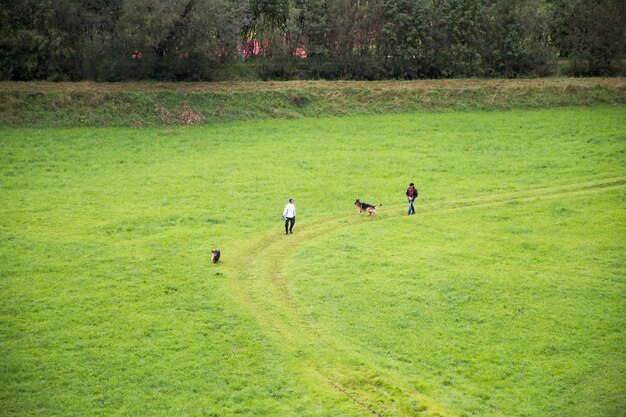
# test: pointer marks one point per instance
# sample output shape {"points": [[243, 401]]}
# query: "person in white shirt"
{"points": [[289, 214]]}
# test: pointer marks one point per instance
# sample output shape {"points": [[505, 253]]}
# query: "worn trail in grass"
{"points": [[502, 297], [323, 359]]}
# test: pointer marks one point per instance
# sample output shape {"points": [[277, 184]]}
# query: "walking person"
{"points": [[411, 195], [289, 214]]}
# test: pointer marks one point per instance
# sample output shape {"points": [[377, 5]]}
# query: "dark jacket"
{"points": [[411, 193]]}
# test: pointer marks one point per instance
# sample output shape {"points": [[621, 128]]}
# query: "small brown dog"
{"points": [[366, 208], [215, 255]]}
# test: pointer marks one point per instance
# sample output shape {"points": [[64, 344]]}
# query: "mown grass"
{"points": [[497, 311], [502, 297], [157, 104]]}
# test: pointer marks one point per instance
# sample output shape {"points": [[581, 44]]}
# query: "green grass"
{"points": [[42, 104], [503, 296]]}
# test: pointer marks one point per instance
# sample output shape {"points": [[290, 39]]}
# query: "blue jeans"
{"points": [[411, 208]]}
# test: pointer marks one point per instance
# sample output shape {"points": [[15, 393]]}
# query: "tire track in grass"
{"points": [[529, 194], [319, 358]]}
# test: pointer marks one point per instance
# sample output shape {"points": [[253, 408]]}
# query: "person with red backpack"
{"points": [[411, 194]]}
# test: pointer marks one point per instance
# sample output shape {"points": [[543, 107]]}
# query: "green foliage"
{"points": [[273, 13], [96, 40], [424, 39], [116, 40], [596, 37], [517, 39], [404, 38], [183, 40], [35, 41], [502, 296], [455, 45]]}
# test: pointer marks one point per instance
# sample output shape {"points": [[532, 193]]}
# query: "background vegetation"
{"points": [[120, 40], [503, 296]]}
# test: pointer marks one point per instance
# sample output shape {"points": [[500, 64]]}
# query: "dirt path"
{"points": [[331, 366]]}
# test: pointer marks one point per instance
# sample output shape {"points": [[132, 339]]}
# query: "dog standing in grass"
{"points": [[215, 255], [365, 208]]}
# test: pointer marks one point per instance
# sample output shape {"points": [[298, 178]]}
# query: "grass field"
{"points": [[503, 296]]}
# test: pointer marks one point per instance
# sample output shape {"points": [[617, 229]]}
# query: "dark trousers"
{"points": [[289, 222]]}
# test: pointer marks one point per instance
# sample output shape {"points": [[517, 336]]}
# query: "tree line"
{"points": [[189, 40]]}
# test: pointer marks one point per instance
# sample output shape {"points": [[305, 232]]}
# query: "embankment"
{"points": [[45, 104]]}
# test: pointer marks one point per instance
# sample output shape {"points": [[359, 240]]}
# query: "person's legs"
{"points": [[411, 209], [286, 225], [292, 221]]}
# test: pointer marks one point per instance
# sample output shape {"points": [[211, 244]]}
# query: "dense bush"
{"points": [[117, 40]]}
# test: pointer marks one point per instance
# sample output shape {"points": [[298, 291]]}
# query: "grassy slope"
{"points": [[486, 303], [41, 104]]}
